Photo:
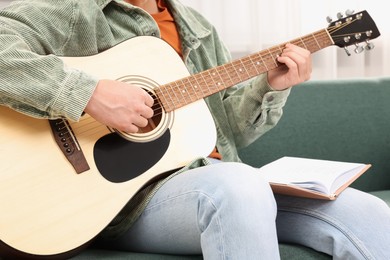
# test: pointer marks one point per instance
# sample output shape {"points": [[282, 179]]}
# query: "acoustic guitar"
{"points": [[62, 182]]}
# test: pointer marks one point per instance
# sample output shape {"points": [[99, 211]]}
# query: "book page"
{"points": [[314, 174]]}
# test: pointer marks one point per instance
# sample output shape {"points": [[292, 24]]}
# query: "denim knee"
{"points": [[238, 184]]}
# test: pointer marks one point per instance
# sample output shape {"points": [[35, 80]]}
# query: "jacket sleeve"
{"points": [[33, 80], [252, 107]]}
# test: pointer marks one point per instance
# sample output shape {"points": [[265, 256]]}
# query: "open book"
{"points": [[311, 178]]}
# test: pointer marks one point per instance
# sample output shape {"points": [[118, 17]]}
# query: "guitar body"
{"points": [[46, 207]]}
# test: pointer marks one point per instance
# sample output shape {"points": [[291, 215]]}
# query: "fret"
{"points": [[194, 84], [226, 76], [209, 82], [280, 49], [243, 69], [184, 89], [322, 40], [218, 82], [163, 93], [277, 51], [259, 54], [325, 39], [232, 72], [272, 57], [192, 96], [318, 41], [263, 61], [311, 43], [250, 69], [225, 80], [180, 92], [268, 60], [303, 44], [254, 64], [259, 63], [175, 98], [210, 86], [319, 46], [237, 67], [202, 83]]}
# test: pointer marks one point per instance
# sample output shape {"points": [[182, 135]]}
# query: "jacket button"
{"points": [[270, 98]]}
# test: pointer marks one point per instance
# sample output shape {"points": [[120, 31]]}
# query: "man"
{"points": [[219, 208]]}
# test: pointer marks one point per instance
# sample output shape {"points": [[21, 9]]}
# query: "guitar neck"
{"points": [[192, 88]]}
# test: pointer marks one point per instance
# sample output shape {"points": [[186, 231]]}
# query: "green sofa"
{"points": [[346, 120]]}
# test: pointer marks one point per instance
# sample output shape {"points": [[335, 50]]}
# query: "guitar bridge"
{"points": [[68, 144]]}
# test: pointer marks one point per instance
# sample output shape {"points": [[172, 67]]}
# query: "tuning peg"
{"points": [[369, 45], [358, 36], [347, 51], [340, 15], [349, 12], [329, 19], [358, 49], [368, 33], [347, 39]]}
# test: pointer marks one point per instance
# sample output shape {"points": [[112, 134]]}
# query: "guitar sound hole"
{"points": [[161, 120]]}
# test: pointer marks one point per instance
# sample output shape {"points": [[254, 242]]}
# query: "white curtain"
{"points": [[4, 3], [252, 25]]}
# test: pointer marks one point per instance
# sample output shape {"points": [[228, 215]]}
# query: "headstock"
{"points": [[353, 29]]}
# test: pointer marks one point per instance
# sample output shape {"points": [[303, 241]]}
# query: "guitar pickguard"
{"points": [[120, 160]]}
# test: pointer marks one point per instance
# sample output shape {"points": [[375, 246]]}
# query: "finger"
{"points": [[140, 121], [297, 69], [288, 60], [294, 48], [129, 128], [148, 112], [149, 101], [296, 51], [297, 62]]}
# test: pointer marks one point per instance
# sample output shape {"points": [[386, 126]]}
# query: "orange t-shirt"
{"points": [[169, 33], [167, 26]]}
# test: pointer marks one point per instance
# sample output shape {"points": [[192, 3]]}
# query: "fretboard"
{"points": [[192, 88]]}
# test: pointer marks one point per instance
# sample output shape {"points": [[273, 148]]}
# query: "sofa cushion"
{"points": [[297, 252]]}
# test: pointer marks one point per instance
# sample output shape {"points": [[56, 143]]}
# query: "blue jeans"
{"points": [[228, 211]]}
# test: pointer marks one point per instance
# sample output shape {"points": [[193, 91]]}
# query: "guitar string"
{"points": [[331, 30], [315, 40], [212, 87]]}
